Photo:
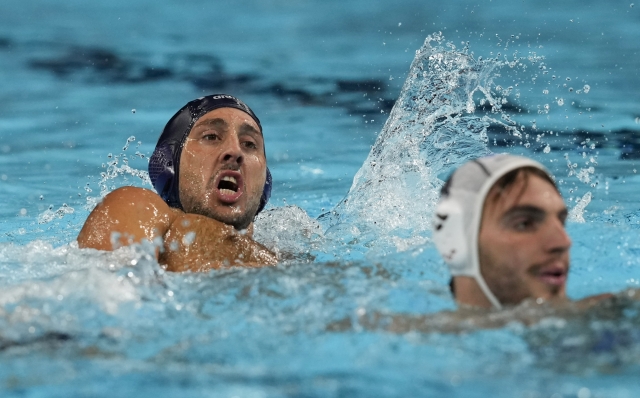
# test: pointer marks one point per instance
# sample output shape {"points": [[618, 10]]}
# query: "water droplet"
{"points": [[586, 88], [129, 141], [547, 149], [545, 91], [560, 102], [133, 110]]}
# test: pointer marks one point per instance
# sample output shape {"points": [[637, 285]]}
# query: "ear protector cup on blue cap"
{"points": [[161, 171], [266, 192]]}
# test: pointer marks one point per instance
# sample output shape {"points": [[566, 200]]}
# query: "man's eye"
{"points": [[524, 224], [250, 144], [210, 137], [563, 219]]}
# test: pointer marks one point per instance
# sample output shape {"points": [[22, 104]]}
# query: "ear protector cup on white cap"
{"points": [[458, 215], [448, 221]]}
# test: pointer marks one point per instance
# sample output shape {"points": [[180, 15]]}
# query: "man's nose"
{"points": [[232, 151]]}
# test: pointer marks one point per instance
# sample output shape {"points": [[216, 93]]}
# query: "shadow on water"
{"points": [[206, 73], [366, 98]]}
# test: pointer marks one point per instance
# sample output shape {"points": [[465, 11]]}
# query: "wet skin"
{"points": [[224, 150], [222, 173], [523, 245]]}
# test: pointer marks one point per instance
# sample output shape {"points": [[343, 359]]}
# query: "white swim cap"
{"points": [[456, 221]]}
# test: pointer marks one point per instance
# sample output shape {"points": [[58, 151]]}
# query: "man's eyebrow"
{"points": [[524, 210], [217, 122], [531, 211], [247, 128]]}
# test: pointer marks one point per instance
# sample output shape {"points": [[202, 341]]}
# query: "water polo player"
{"points": [[210, 172], [500, 226]]}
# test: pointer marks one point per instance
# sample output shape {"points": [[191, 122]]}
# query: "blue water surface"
{"points": [[87, 88]]}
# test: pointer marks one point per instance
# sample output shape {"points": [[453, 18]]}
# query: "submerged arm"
{"points": [[198, 243]]}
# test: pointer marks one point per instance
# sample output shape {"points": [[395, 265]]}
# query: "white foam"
{"points": [[288, 231]]}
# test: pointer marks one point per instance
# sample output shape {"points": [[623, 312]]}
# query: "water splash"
{"points": [[576, 214], [117, 174], [432, 128], [289, 232], [49, 215]]}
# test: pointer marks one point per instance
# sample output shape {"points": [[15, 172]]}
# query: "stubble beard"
{"points": [[511, 288], [508, 287], [192, 204]]}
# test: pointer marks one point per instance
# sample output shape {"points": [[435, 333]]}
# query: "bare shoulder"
{"points": [[125, 216], [129, 197]]}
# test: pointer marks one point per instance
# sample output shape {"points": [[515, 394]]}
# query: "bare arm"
{"points": [[469, 318], [190, 242], [197, 243]]}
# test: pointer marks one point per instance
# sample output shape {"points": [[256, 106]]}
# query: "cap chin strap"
{"points": [[487, 292]]}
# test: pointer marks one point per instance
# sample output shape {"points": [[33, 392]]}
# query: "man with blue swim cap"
{"points": [[210, 174], [500, 226]]}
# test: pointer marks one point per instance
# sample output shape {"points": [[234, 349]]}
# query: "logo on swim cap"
{"points": [[223, 96]]}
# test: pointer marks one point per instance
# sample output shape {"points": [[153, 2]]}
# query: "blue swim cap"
{"points": [[164, 164]]}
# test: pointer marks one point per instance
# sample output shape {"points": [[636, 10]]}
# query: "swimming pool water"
{"points": [[79, 79]]}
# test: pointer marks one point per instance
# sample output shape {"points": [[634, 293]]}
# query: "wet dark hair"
{"points": [[506, 181]]}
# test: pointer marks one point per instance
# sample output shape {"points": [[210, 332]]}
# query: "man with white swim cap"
{"points": [[500, 226], [210, 173]]}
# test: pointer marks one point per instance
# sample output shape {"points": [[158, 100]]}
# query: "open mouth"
{"points": [[229, 186], [553, 276]]}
